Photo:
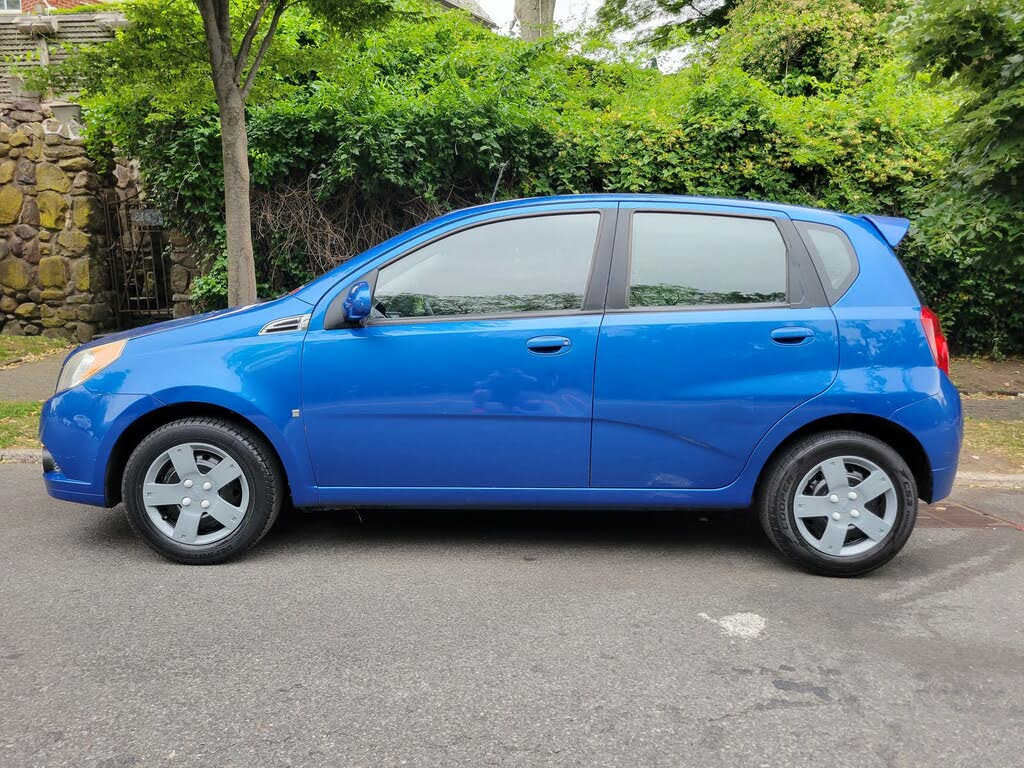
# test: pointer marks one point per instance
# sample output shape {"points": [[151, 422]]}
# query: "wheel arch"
{"points": [[134, 433], [889, 432]]}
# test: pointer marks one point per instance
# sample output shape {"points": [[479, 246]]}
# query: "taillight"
{"points": [[936, 341]]}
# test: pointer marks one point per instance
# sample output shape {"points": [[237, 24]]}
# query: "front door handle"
{"points": [[791, 336], [548, 345]]}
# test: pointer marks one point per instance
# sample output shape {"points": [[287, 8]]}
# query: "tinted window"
{"points": [[521, 265], [833, 256], [682, 259]]}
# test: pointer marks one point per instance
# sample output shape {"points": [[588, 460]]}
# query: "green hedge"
{"points": [[434, 111]]}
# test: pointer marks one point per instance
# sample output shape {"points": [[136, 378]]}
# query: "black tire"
{"points": [[778, 488], [254, 457]]}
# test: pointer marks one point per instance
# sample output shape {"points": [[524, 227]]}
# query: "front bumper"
{"points": [[78, 430]]}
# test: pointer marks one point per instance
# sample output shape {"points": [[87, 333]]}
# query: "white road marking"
{"points": [[746, 625]]}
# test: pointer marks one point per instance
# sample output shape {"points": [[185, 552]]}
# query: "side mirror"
{"points": [[358, 302]]}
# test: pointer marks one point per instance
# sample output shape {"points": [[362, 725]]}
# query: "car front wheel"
{"points": [[202, 490], [838, 503]]}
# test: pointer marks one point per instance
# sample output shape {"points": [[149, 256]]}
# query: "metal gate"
{"points": [[137, 256]]}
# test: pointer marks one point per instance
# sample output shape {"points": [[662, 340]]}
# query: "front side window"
{"points": [[537, 264], [684, 259]]}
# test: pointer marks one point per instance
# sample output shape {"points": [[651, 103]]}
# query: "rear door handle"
{"points": [[792, 335], [548, 345]]}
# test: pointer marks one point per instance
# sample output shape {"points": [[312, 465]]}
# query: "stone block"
{"points": [[52, 272], [67, 313], [179, 279], [59, 333], [8, 304], [85, 212], [52, 322], [86, 180], [34, 151], [31, 330], [13, 328], [80, 274], [93, 313], [75, 164], [7, 170], [30, 212], [50, 176], [52, 294], [25, 171], [11, 199], [25, 232], [30, 251], [14, 273], [72, 242], [52, 206], [28, 309], [19, 139], [85, 332], [64, 151]]}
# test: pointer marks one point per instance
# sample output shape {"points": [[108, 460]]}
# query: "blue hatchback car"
{"points": [[594, 351]]}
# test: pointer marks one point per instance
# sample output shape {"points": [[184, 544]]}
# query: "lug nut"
{"points": [[851, 495], [188, 483], [836, 516], [854, 513], [207, 485], [833, 498], [186, 501], [205, 504]]}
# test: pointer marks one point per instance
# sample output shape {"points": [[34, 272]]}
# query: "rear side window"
{"points": [[684, 259], [536, 264], [833, 256]]}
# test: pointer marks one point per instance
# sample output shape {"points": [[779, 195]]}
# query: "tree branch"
{"points": [[250, 35], [211, 27], [264, 46]]}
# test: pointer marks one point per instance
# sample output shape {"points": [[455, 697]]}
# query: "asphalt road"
{"points": [[508, 639]]}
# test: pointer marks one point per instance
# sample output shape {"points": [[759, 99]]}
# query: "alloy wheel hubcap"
{"points": [[845, 506], [195, 493]]}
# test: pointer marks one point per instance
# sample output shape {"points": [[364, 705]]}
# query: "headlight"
{"points": [[81, 365]]}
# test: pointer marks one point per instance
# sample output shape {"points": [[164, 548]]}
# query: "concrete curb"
{"points": [[21, 456], [990, 480]]}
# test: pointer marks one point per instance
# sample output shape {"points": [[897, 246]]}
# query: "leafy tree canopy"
{"points": [[355, 136]]}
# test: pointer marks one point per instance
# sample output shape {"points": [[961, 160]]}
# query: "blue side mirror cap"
{"points": [[358, 302]]}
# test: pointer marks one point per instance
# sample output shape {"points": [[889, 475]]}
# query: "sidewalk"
{"points": [[30, 381]]}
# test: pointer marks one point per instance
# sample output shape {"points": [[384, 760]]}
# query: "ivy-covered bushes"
{"points": [[353, 139]]}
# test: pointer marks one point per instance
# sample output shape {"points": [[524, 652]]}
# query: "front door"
{"points": [[476, 368], [716, 328]]}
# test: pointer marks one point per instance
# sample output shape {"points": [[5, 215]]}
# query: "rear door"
{"points": [[716, 327]]}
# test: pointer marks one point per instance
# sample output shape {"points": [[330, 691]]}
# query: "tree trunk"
{"points": [[536, 18], [235, 147]]}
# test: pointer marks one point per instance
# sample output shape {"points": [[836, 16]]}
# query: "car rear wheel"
{"points": [[838, 503], [202, 490]]}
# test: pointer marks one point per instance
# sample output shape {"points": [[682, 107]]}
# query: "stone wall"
{"points": [[53, 276]]}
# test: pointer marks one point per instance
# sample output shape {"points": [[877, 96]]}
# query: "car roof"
{"points": [[796, 211]]}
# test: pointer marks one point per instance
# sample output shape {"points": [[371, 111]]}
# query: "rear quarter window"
{"points": [[833, 257]]}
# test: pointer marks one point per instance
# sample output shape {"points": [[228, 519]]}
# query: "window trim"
{"points": [[832, 295], [593, 292], [796, 283]]}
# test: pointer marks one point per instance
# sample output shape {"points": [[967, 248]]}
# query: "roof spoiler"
{"points": [[892, 228]]}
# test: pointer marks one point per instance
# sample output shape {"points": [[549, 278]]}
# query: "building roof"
{"points": [[473, 8]]}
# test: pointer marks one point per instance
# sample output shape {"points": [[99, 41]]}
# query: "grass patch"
{"points": [[19, 425], [25, 349], [1002, 438]]}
